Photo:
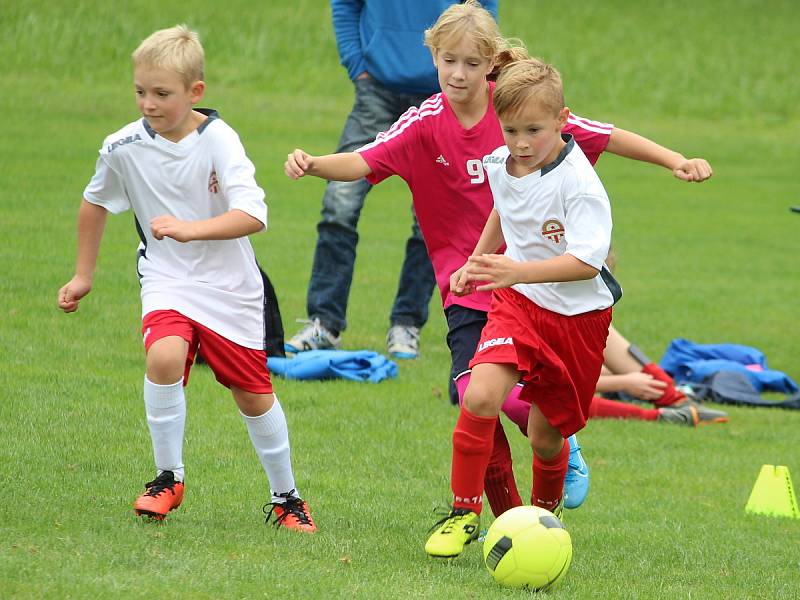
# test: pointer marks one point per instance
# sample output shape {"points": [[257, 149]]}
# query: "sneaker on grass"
{"points": [[291, 512], [402, 341], [691, 414], [313, 336], [451, 533], [576, 483], [161, 495]]}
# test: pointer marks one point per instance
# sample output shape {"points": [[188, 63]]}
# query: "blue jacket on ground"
{"points": [[688, 361], [359, 365], [385, 39]]}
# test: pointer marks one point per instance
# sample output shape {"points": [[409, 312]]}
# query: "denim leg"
{"points": [[417, 282], [337, 238], [335, 254]]}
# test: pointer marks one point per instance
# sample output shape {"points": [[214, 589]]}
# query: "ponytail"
{"points": [[509, 54]]}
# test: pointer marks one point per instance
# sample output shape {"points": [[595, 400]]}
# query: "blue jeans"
{"points": [[376, 108]]}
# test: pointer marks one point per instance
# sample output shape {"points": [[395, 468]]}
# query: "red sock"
{"points": [[548, 478], [472, 447], [500, 485], [602, 408], [670, 395]]}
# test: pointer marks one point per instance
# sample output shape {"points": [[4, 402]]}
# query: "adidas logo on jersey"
{"points": [[495, 342], [442, 160]]}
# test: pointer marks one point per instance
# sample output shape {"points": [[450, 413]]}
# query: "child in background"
{"points": [[627, 370], [551, 305], [192, 189]]}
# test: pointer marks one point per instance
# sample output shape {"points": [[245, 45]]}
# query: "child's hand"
{"points": [[693, 169], [643, 386], [70, 295], [496, 269], [169, 226], [459, 284], [298, 164]]}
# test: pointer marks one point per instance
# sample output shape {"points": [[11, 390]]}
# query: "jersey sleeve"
{"points": [[588, 227], [236, 175], [591, 136], [392, 151], [106, 187]]}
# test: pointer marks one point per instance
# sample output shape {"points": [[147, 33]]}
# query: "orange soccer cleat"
{"points": [[162, 495], [292, 513]]}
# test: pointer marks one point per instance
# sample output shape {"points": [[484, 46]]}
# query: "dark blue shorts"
{"points": [[464, 326]]}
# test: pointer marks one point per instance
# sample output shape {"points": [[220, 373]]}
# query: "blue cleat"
{"points": [[576, 484]]}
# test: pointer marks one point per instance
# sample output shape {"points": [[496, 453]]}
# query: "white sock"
{"points": [[270, 437], [165, 406]]}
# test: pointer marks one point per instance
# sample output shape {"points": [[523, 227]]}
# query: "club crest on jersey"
{"points": [[442, 160], [553, 230], [213, 184], [495, 342]]}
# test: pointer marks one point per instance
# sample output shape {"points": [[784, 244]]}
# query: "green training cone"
{"points": [[773, 494]]}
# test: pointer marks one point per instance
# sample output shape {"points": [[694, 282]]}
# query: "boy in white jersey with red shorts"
{"points": [[551, 303], [192, 189]]}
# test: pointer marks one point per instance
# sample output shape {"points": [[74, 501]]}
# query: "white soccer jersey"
{"points": [[562, 208], [216, 283]]}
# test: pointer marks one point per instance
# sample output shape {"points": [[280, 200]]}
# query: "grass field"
{"points": [[716, 262]]}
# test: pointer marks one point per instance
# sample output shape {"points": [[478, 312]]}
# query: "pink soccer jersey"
{"points": [[442, 163]]}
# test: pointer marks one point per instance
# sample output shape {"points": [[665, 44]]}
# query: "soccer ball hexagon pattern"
{"points": [[527, 547]]}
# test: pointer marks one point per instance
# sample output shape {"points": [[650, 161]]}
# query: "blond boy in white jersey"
{"points": [[551, 301], [192, 188]]}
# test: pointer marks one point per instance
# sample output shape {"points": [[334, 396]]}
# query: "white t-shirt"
{"points": [[562, 208], [216, 283]]}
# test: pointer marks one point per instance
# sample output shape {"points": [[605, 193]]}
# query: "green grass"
{"points": [[715, 263]]}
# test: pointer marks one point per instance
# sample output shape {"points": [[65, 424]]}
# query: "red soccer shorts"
{"points": [[558, 356], [232, 364]]}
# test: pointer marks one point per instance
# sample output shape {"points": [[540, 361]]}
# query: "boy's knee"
{"points": [[166, 361], [479, 400]]}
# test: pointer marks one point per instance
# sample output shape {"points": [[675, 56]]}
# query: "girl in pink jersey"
{"points": [[437, 148]]}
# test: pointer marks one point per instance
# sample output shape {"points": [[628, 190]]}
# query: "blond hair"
{"points": [[470, 19], [525, 80], [176, 49]]}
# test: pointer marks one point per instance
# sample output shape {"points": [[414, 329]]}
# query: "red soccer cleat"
{"points": [[293, 513], [162, 495]]}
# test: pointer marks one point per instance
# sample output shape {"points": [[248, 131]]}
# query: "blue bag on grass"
{"points": [[730, 387]]}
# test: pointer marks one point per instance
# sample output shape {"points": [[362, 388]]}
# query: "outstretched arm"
{"points": [[228, 226], [345, 166], [91, 224], [632, 145]]}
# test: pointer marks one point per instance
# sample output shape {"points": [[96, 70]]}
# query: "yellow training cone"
{"points": [[773, 494]]}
